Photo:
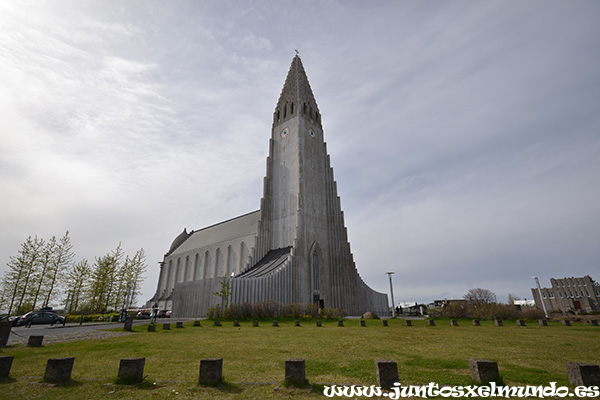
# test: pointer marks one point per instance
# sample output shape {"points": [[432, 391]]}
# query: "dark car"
{"points": [[38, 318]]}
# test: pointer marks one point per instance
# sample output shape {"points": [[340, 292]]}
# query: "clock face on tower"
{"points": [[285, 132]]}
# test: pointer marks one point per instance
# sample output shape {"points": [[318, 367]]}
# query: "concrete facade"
{"points": [[295, 248], [569, 295]]}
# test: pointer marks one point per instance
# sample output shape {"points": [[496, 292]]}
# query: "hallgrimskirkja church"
{"points": [[294, 249]]}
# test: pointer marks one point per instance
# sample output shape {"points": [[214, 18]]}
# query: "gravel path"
{"points": [[17, 338]]}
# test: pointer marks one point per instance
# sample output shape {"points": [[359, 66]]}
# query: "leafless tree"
{"points": [[478, 297]]}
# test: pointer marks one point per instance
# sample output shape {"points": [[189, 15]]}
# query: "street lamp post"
{"points": [[537, 281], [392, 293]]}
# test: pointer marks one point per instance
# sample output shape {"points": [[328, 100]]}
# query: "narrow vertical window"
{"points": [[315, 268], [292, 108]]}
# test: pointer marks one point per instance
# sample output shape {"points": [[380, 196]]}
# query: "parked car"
{"points": [[164, 314], [38, 318], [144, 314]]}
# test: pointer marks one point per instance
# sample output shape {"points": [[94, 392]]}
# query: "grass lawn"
{"points": [[254, 357]]}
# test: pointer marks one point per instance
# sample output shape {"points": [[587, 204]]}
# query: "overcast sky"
{"points": [[464, 136]]}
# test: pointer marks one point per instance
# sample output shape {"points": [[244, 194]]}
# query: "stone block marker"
{"points": [[59, 369], [5, 327], [387, 373], [178, 324], [498, 322], [385, 322], [151, 328], [408, 322], [236, 323], [5, 364], [453, 322], [431, 322], [35, 341], [363, 323], [166, 327], [296, 323], [594, 322], [341, 322], [275, 323], [128, 325], [211, 371], [484, 371], [217, 323], [476, 322], [318, 322], [295, 372], [255, 323], [131, 370], [566, 322], [520, 322], [583, 374], [197, 323], [543, 322]]}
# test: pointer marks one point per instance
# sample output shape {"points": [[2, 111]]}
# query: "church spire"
{"points": [[296, 95]]}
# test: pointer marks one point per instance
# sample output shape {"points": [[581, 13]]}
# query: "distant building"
{"points": [[569, 295], [524, 303]]}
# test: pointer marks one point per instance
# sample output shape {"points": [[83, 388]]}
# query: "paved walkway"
{"points": [[74, 331]]}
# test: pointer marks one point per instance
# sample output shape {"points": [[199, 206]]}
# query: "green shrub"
{"points": [[111, 317]]}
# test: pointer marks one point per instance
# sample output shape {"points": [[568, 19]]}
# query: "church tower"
{"points": [[295, 248], [300, 208]]}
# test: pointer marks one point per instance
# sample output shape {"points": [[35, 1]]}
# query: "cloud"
{"points": [[463, 137]]}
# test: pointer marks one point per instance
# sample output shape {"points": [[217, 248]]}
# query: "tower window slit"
{"points": [[315, 264]]}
